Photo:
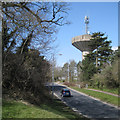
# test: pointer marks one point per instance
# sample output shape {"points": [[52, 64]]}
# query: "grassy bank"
{"points": [[102, 96], [16, 109]]}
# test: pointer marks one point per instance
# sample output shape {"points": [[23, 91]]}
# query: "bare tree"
{"points": [[40, 18], [72, 70]]}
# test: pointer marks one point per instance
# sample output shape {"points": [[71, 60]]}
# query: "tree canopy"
{"points": [[39, 19], [101, 48]]}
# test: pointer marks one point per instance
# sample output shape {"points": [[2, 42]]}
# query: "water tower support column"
{"points": [[84, 53]]}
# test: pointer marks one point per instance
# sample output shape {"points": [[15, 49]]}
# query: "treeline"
{"points": [[100, 66], [67, 73], [28, 31]]}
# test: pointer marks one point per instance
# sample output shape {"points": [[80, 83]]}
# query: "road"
{"points": [[87, 105]]}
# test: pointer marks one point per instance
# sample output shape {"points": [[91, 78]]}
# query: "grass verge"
{"points": [[16, 109], [102, 96], [114, 91]]}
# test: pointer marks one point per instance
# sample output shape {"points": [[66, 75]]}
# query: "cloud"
{"points": [[114, 48]]}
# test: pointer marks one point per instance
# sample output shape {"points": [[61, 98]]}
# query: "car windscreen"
{"points": [[66, 90]]}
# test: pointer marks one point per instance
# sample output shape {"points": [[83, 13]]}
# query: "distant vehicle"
{"points": [[65, 92]]}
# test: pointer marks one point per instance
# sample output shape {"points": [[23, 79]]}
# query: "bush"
{"points": [[24, 76], [97, 80], [115, 73], [107, 78]]}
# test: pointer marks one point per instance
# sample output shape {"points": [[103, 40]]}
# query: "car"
{"points": [[65, 92]]}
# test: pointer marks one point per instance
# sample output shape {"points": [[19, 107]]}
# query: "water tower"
{"points": [[82, 42]]}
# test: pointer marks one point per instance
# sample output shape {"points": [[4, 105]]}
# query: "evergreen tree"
{"points": [[88, 69], [101, 49], [115, 55], [99, 55]]}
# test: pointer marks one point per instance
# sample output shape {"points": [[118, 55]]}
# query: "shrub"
{"points": [[97, 80], [107, 78], [115, 73], [24, 76]]}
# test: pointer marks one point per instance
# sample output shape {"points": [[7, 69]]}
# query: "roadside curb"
{"points": [[90, 96]]}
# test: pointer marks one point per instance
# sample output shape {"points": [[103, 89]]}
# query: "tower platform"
{"points": [[82, 43]]}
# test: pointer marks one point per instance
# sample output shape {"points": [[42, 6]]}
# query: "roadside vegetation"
{"points": [[100, 67], [55, 109], [27, 38]]}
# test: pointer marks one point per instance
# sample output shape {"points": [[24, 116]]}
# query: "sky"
{"points": [[103, 17]]}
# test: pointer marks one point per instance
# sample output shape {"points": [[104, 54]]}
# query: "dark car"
{"points": [[65, 92]]}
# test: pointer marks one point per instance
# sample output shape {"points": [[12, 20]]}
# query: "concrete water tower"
{"points": [[82, 42]]}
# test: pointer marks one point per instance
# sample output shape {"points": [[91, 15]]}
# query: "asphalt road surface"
{"points": [[87, 105]]}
